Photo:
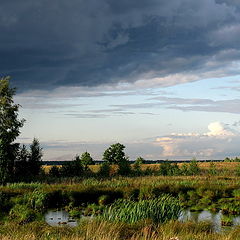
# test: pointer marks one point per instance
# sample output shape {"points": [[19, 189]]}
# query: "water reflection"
{"points": [[215, 218], [59, 218]]}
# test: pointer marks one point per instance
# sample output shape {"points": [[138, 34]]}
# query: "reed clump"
{"points": [[157, 210]]}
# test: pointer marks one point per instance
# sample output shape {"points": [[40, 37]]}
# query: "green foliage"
{"points": [[37, 200], [103, 200], [28, 163], [212, 169], [73, 168], [86, 160], [54, 171], [139, 160], [114, 154], [168, 169], [236, 159], [21, 165], [22, 214], [9, 130], [193, 167], [124, 167], [104, 170], [158, 210], [238, 170], [4, 201], [35, 158], [184, 169], [137, 171]]}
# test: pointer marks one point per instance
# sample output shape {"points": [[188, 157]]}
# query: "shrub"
{"points": [[104, 170], [212, 169], [168, 169], [72, 168], [193, 167], [124, 168], [22, 214], [54, 172]]}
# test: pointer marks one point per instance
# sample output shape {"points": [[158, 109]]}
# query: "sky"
{"points": [[161, 77]]}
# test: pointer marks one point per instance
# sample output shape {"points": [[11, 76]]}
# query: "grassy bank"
{"points": [[22, 206], [103, 230], [195, 192]]}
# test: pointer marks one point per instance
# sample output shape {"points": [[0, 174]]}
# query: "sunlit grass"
{"points": [[103, 230]]}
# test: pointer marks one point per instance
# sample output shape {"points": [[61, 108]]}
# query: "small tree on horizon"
{"points": [[115, 154], [86, 160]]}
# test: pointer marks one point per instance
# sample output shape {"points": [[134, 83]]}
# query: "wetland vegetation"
{"points": [[113, 200]]}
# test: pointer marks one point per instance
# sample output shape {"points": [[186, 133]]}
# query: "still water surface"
{"points": [[60, 218], [214, 218]]}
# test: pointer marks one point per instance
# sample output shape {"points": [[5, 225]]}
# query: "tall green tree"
{"points": [[115, 154], [21, 170], [35, 158], [86, 160], [9, 130]]}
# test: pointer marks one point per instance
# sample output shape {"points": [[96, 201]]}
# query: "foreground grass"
{"points": [[102, 230]]}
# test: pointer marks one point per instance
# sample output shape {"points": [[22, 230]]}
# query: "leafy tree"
{"points": [[21, 164], [140, 160], [86, 160], [73, 168], [9, 130], [227, 159], [114, 154], [35, 158]]}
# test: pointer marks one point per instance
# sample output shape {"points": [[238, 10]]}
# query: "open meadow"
{"points": [[120, 205]]}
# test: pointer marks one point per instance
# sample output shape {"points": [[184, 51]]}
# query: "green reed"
{"points": [[158, 210]]}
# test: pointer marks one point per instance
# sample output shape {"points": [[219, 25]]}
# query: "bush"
{"points": [[193, 168], [124, 168], [212, 169], [22, 214], [54, 172], [168, 169], [37, 200], [104, 170], [72, 169]]}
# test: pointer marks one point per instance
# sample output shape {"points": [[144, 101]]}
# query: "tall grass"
{"points": [[157, 210], [102, 230]]}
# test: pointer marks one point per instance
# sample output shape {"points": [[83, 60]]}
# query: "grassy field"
{"points": [[229, 166], [23, 205]]}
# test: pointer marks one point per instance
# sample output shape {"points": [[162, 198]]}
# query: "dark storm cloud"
{"points": [[47, 44]]}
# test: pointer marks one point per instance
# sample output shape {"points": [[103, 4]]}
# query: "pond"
{"points": [[61, 217], [218, 220]]}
